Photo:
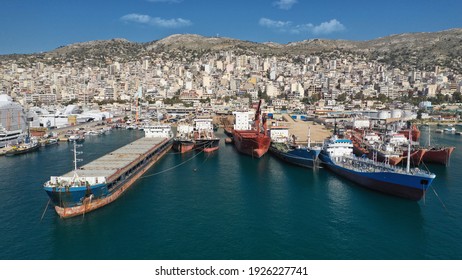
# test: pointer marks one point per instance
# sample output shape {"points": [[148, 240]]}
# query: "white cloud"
{"points": [[284, 4], [328, 27], [287, 27], [172, 23], [274, 23], [136, 18], [157, 21]]}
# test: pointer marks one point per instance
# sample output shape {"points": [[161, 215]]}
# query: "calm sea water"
{"points": [[227, 206]]}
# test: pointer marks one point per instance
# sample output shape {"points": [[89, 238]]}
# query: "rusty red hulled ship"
{"points": [[414, 131], [252, 141], [440, 155]]}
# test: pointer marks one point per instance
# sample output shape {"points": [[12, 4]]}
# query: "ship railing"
{"points": [[365, 164], [66, 184]]}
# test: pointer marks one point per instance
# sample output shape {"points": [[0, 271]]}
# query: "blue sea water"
{"points": [[227, 206]]}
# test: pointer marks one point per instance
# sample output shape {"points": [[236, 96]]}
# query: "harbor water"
{"points": [[226, 205]]}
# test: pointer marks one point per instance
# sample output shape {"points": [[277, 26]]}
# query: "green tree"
{"points": [[306, 100], [173, 100], [382, 98], [205, 101], [263, 95], [342, 97], [359, 95], [457, 97], [315, 97]]}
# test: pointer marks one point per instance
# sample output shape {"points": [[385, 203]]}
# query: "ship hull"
{"points": [[395, 184], [183, 146], [228, 131], [207, 145], [75, 201], [298, 156], [415, 133], [394, 160], [438, 155], [21, 151], [359, 151], [416, 156], [251, 143]]}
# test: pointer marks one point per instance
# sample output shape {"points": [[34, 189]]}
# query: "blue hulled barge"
{"points": [[103, 180], [295, 154]]}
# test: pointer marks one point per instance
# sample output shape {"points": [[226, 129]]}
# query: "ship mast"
{"points": [[76, 159], [408, 165], [429, 136], [309, 137], [257, 118]]}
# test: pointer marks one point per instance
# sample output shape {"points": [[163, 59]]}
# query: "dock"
{"points": [[300, 129]]}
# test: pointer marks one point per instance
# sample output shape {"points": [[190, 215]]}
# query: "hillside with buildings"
{"points": [[223, 74]]}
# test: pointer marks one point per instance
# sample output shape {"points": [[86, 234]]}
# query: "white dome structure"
{"points": [[396, 113], [12, 121], [384, 115], [11, 114]]}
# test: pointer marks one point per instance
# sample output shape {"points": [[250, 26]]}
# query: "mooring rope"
{"points": [[444, 206], [173, 167], [45, 210]]}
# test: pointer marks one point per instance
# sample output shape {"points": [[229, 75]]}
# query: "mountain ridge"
{"points": [[416, 50]]}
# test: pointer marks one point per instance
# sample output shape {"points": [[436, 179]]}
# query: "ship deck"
{"points": [[118, 160]]}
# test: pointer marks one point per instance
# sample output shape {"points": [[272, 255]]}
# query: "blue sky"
{"points": [[28, 26]]}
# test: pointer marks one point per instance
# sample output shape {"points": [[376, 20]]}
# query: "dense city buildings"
{"points": [[226, 80]]}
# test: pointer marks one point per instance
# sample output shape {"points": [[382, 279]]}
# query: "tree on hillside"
{"points": [[457, 97]]}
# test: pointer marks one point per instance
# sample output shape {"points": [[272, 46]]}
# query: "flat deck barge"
{"points": [[103, 180]]}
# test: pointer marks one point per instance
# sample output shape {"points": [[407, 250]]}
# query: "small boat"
{"points": [[50, 142], [450, 130], [23, 148], [93, 132], [76, 138]]}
